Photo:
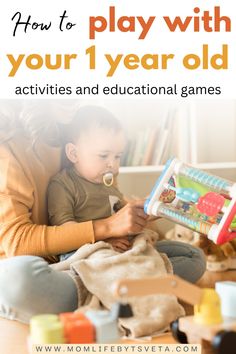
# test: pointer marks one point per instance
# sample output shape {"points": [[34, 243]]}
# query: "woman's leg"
{"points": [[188, 262], [29, 286]]}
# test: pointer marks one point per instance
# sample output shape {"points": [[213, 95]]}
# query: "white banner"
{"points": [[161, 49], [117, 348]]}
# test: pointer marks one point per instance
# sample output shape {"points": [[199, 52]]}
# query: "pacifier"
{"points": [[108, 179]]}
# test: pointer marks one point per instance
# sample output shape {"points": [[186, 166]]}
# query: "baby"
{"points": [[86, 189]]}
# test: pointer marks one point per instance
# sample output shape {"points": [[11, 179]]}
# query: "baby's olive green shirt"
{"points": [[73, 198]]}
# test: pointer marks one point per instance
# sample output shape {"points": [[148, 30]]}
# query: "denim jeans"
{"points": [[29, 286]]}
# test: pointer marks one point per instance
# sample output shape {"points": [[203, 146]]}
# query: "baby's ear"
{"points": [[71, 152]]}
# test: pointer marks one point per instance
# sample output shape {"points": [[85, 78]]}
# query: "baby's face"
{"points": [[99, 151]]}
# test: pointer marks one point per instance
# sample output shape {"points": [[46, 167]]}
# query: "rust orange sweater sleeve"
{"points": [[21, 232]]}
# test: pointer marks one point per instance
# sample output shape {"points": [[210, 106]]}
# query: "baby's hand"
{"points": [[120, 244]]}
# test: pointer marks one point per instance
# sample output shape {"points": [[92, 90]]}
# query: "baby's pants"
{"points": [[29, 286]]}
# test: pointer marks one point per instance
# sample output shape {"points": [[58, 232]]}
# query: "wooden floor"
{"points": [[13, 335]]}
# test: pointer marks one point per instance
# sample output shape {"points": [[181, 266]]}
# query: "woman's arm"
{"points": [[20, 236]]}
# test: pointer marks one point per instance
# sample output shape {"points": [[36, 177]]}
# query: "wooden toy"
{"points": [[77, 327], [195, 199], [216, 333]]}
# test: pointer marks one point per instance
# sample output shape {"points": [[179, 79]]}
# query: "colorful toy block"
{"points": [[75, 327]]}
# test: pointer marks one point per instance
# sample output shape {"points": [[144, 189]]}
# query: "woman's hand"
{"points": [[129, 220], [119, 244]]}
